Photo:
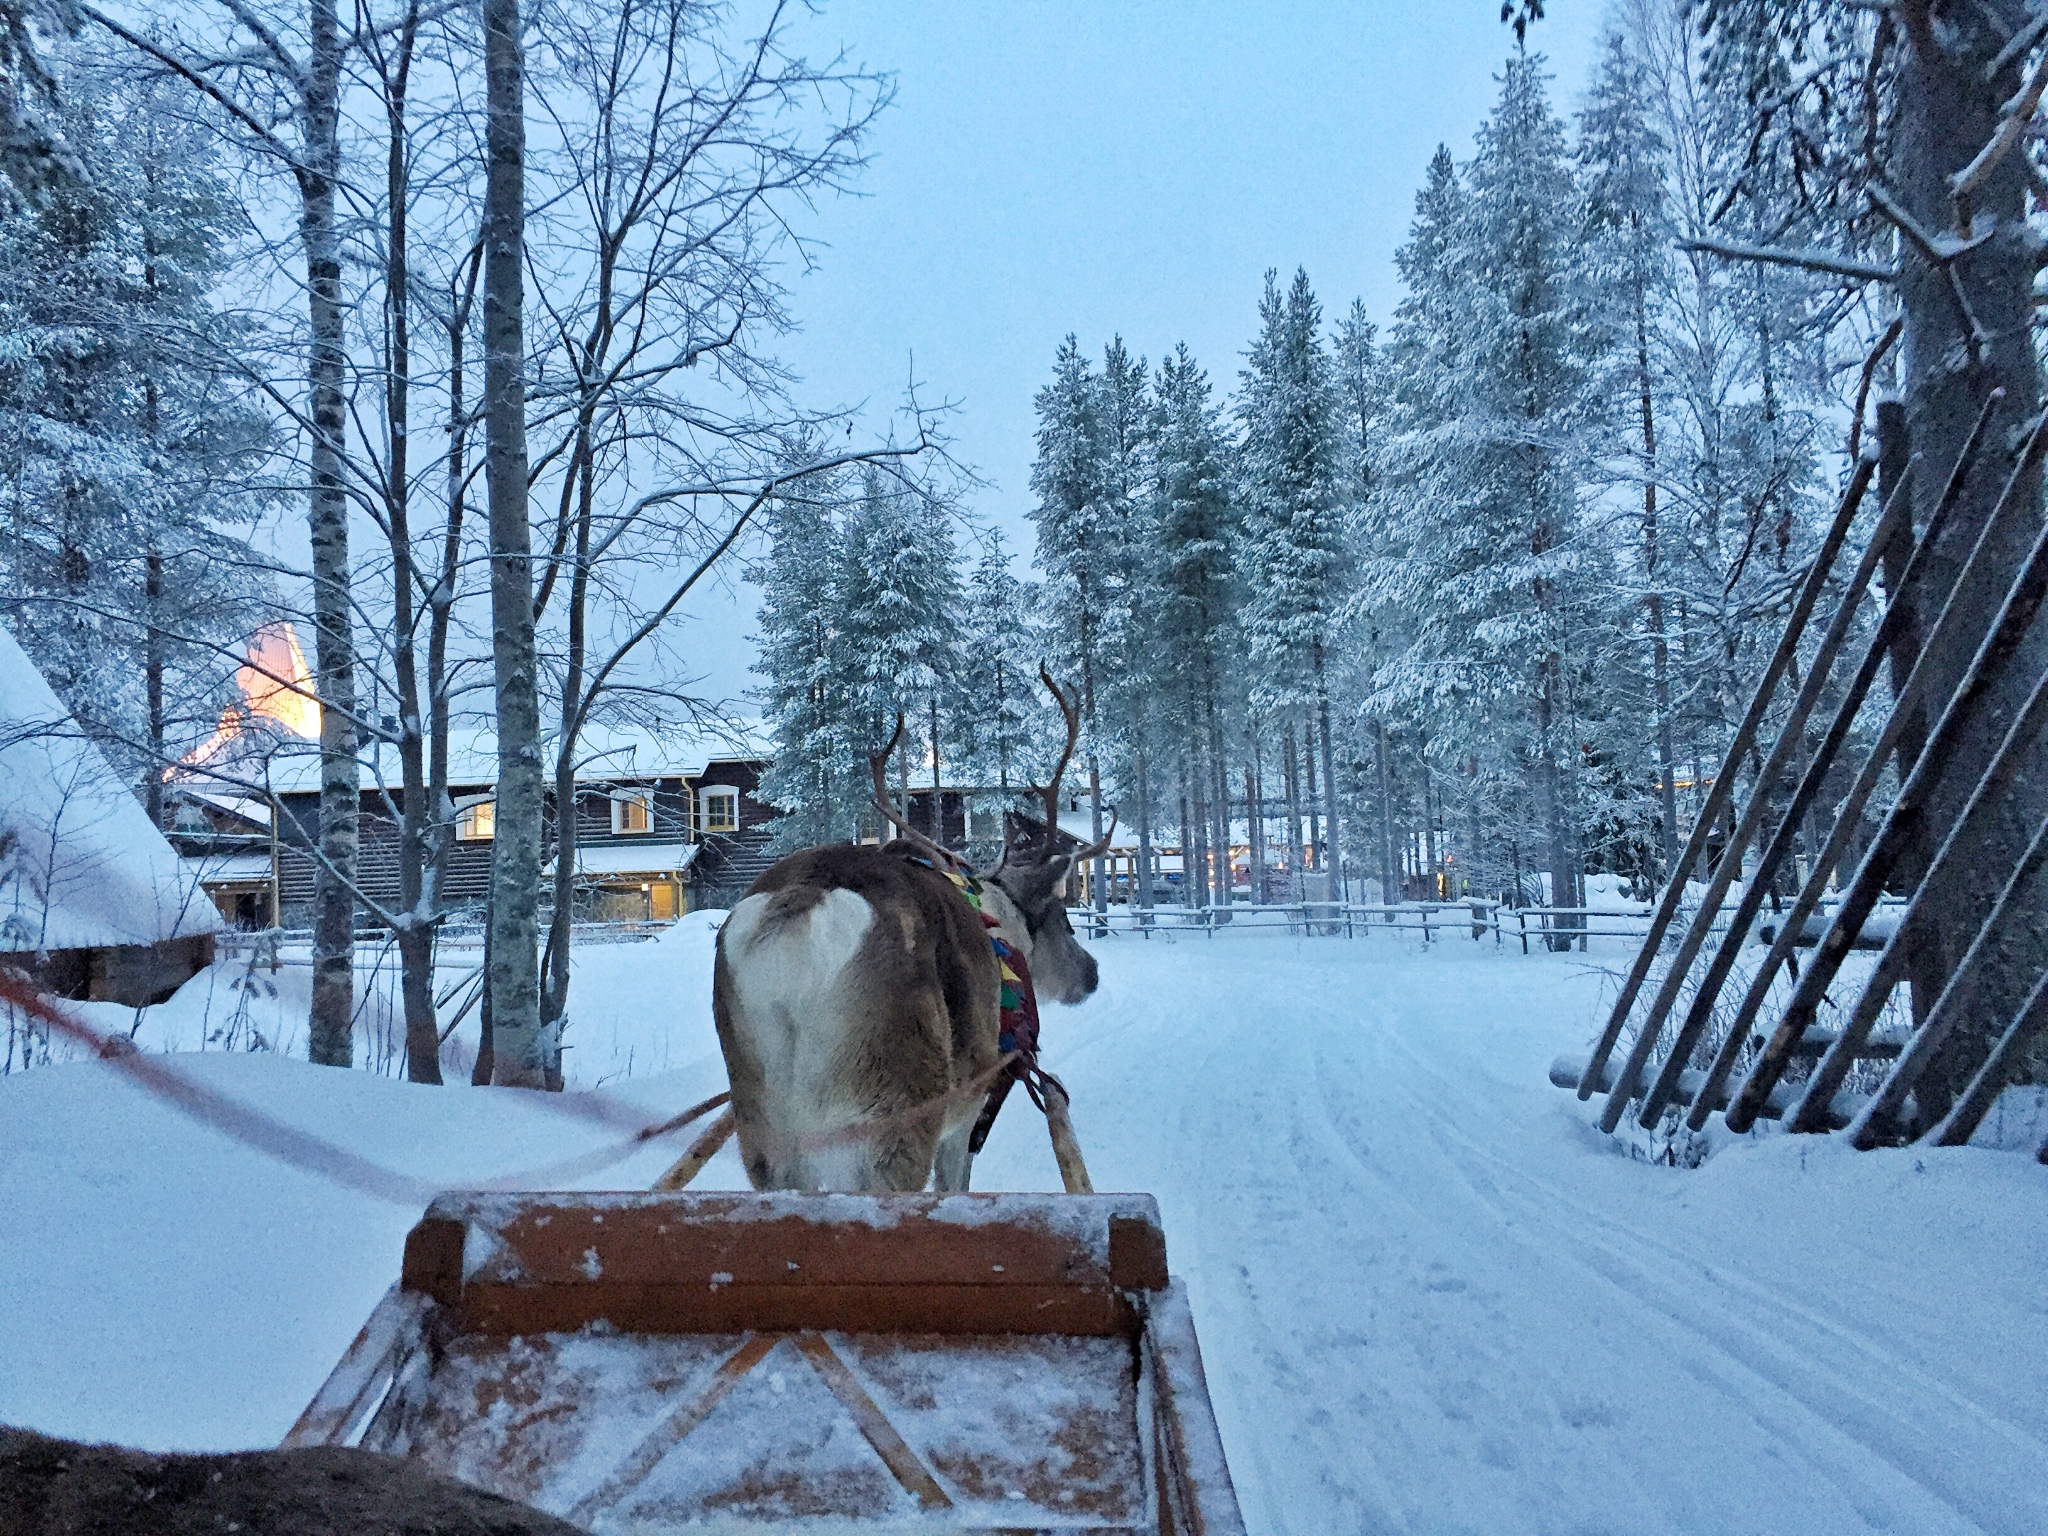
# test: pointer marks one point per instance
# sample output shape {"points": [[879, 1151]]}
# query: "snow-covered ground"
{"points": [[1431, 1297]]}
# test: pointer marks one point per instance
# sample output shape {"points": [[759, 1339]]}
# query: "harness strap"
{"points": [[1017, 1016]]}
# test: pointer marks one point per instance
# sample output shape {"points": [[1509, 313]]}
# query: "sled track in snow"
{"points": [[1425, 1320]]}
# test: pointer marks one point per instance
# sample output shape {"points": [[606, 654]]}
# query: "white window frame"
{"points": [[469, 817], [706, 796], [621, 798]]}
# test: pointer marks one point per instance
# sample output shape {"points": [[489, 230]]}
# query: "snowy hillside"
{"points": [[1431, 1297]]}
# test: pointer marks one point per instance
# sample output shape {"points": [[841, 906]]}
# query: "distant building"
{"points": [[654, 837]]}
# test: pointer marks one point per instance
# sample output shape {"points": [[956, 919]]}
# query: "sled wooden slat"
{"points": [[653, 1362], [364, 1371]]}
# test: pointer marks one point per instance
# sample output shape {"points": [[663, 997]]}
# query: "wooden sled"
{"points": [[678, 1362]]}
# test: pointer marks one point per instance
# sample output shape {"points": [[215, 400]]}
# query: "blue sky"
{"points": [[1105, 166]]}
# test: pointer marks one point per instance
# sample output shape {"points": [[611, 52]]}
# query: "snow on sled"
{"points": [[644, 1363]]}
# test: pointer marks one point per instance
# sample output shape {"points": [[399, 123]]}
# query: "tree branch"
{"points": [[1786, 256]]}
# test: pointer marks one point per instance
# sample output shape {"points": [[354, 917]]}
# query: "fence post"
{"points": [[1522, 919]]}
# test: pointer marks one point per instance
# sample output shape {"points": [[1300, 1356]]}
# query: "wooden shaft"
{"points": [[1065, 1147], [1907, 815], [702, 1150], [1900, 623], [1908, 704]]}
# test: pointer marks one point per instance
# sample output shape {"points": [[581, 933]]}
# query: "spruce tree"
{"points": [[1079, 547], [1002, 712], [898, 605], [1294, 551], [1493, 574], [1194, 639], [130, 455], [1623, 163], [811, 778]]}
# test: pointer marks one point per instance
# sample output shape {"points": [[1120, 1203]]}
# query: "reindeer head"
{"points": [[1037, 858], [1032, 872]]}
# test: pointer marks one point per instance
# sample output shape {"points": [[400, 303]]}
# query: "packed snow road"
{"points": [[1432, 1299]]}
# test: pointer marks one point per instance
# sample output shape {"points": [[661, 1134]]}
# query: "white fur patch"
{"points": [[786, 980]]}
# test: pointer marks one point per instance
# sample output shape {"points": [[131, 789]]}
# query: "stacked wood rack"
{"points": [[1766, 1053]]}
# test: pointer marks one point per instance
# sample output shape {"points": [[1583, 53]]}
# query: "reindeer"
{"points": [[856, 993]]}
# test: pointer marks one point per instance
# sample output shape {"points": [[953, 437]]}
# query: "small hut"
{"points": [[93, 901]]}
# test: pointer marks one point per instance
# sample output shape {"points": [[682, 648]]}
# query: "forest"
{"points": [[452, 334], [1463, 599]]}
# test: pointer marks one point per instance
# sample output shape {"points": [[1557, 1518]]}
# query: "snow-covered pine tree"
{"points": [[131, 457], [1741, 356], [1123, 701], [811, 779], [1002, 709], [939, 600], [1294, 546], [1193, 638], [898, 603], [1362, 421], [1623, 167], [1493, 575], [1078, 547]]}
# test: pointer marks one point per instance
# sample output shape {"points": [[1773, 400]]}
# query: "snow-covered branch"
{"points": [[1807, 258]]}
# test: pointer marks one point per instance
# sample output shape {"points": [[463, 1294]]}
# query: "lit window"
{"points": [[633, 811], [477, 823], [721, 810]]}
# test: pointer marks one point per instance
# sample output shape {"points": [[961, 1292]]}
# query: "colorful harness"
{"points": [[1017, 1014]]}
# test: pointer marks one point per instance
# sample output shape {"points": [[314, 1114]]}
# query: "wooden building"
{"points": [[652, 842]]}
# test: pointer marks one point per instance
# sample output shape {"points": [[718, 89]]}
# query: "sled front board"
{"points": [[654, 1363]]}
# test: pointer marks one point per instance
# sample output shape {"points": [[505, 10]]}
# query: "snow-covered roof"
{"points": [[85, 868], [1081, 824], [634, 858], [228, 868], [294, 766]]}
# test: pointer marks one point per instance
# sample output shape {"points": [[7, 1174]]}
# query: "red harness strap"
{"points": [[1017, 1012], [1019, 1032]]}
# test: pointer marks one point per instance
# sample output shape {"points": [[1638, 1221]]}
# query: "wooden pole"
{"points": [[1724, 783], [702, 1150], [1065, 1146]]}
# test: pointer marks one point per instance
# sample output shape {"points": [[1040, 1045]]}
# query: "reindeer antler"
{"points": [[876, 762], [1071, 709], [1097, 850]]}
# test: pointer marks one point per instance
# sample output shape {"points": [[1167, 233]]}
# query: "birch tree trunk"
{"points": [[1316, 854], [330, 1041], [418, 894], [1221, 809], [153, 685], [440, 619], [1141, 880], [522, 1054], [1334, 862], [1255, 808], [1550, 801]]}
